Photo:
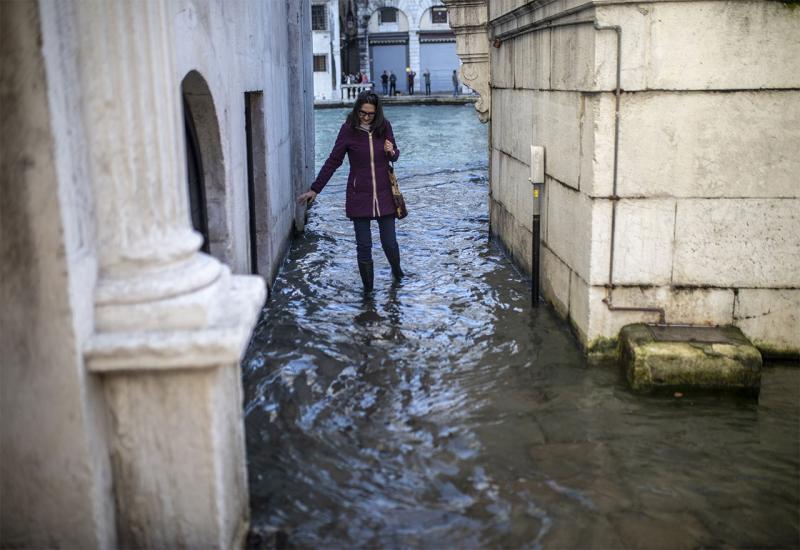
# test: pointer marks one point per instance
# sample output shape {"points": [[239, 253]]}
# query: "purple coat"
{"points": [[369, 194]]}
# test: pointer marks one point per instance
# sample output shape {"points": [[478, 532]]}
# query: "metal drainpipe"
{"points": [[608, 300], [546, 24]]}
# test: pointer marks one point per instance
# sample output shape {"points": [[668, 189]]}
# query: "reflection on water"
{"points": [[446, 413]]}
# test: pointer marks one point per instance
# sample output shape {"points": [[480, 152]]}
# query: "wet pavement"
{"points": [[445, 412]]}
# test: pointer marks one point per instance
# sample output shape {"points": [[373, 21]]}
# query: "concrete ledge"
{"points": [[711, 358], [403, 100]]}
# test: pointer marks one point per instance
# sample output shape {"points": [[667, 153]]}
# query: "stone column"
{"points": [[414, 58], [170, 323], [147, 248], [468, 19]]}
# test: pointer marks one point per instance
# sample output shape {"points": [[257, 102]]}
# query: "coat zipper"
{"points": [[375, 205]]}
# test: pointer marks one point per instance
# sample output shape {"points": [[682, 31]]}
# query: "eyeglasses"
{"points": [[366, 114]]}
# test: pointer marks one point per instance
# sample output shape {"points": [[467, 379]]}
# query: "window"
{"points": [[320, 63], [439, 15], [319, 18], [387, 15]]}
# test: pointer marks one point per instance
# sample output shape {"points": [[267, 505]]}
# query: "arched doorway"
{"points": [[205, 168]]}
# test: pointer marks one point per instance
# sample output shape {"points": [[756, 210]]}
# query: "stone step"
{"points": [[669, 357]]}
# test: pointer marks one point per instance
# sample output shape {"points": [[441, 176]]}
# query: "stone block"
{"points": [[737, 243], [532, 60], [578, 230], [602, 324], [555, 277], [597, 137], [503, 63], [579, 307], [512, 125], [771, 319], [521, 125], [514, 190], [499, 118], [500, 7], [574, 61], [557, 119], [643, 244], [707, 45], [515, 238], [718, 358], [180, 430], [699, 144]]}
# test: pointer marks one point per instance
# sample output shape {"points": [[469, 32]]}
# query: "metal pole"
{"points": [[535, 251]]}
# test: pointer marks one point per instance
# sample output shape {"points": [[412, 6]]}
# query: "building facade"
{"points": [[396, 35], [326, 30], [670, 132], [146, 199]]}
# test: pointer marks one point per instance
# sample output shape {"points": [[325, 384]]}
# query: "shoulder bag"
{"points": [[399, 202]]}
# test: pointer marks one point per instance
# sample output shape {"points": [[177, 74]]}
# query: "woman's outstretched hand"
{"points": [[388, 147], [307, 197]]}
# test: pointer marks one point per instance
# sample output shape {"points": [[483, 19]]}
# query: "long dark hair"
{"points": [[378, 122]]}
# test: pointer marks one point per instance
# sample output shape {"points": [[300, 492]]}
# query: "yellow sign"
{"points": [[535, 193]]}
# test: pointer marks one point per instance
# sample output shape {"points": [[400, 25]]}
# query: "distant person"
{"points": [[410, 80], [385, 82], [426, 76], [364, 78], [392, 83], [350, 79], [455, 83], [367, 139]]}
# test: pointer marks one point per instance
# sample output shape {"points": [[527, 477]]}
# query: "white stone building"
{"points": [[133, 122], [325, 27], [670, 132], [394, 35]]}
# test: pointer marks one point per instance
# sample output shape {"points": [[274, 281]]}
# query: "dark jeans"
{"points": [[427, 89], [364, 237]]}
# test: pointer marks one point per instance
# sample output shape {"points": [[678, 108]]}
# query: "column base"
{"points": [[176, 410]]}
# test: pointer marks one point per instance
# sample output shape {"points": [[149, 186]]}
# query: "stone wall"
{"points": [[121, 397], [55, 472], [707, 205], [237, 48]]}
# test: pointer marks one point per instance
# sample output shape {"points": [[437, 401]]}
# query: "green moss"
{"points": [[650, 365], [770, 350], [603, 351]]}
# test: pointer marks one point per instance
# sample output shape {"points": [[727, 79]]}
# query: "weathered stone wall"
{"points": [[707, 225], [121, 398], [240, 47], [55, 473]]}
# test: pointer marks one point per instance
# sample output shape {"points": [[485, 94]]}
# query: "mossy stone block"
{"points": [[708, 358]]}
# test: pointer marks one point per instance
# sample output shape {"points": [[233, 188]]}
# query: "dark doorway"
{"points": [[258, 203], [194, 176], [251, 191], [209, 199]]}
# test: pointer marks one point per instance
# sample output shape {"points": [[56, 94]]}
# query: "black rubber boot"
{"points": [[367, 275], [394, 261]]}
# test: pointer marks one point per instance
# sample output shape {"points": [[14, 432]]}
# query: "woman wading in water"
{"points": [[368, 140]]}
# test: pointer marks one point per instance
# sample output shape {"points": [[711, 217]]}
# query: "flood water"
{"points": [[447, 413]]}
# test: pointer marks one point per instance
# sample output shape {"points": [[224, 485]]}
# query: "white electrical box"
{"points": [[537, 164]]}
